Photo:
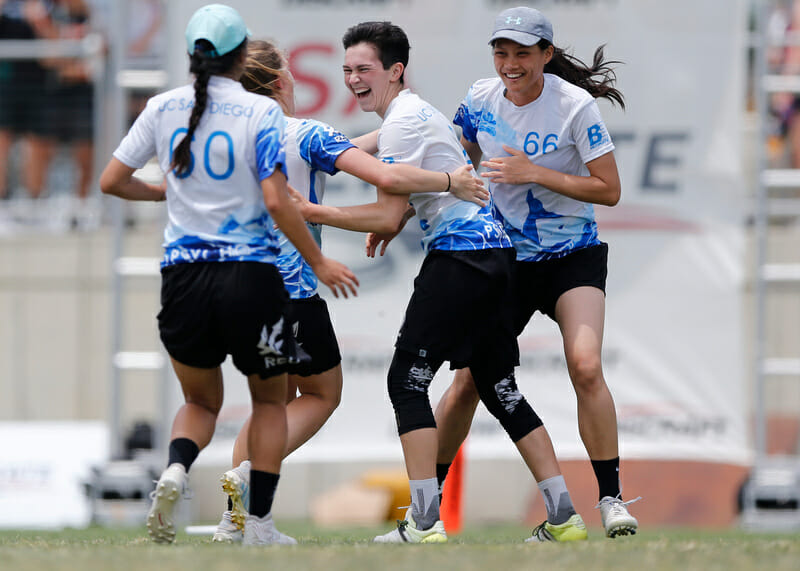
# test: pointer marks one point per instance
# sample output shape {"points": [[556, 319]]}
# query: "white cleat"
{"points": [[170, 487], [615, 516], [407, 532], [236, 483], [227, 532], [262, 531]]}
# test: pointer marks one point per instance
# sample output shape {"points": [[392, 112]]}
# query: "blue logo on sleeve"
{"points": [[597, 135]]}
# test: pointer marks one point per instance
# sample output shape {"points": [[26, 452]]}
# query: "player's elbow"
{"points": [[274, 205], [389, 223], [109, 184], [389, 182], [613, 196]]}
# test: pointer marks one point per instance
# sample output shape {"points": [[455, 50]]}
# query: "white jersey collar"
{"points": [[222, 81], [404, 93]]}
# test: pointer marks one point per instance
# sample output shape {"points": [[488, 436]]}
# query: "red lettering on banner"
{"points": [[316, 84]]}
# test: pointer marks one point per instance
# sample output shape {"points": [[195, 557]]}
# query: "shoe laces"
{"points": [[615, 503], [540, 531]]}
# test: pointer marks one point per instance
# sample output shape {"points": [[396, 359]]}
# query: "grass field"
{"points": [[494, 548]]}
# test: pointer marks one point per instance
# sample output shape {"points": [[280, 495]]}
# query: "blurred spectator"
{"points": [[145, 48], [22, 97], [69, 117], [145, 39], [69, 112], [783, 29]]}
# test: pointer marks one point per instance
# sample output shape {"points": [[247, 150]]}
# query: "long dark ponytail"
{"points": [[203, 64], [598, 79]]}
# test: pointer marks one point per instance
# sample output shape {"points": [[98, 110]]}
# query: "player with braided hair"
{"points": [[223, 151]]}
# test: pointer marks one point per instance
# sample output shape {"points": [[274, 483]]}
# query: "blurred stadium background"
{"points": [[702, 348]]}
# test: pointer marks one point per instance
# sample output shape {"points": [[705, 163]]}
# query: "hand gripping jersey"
{"points": [[561, 130], [415, 133], [312, 148], [216, 209]]}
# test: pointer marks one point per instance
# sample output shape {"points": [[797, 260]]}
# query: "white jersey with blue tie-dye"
{"points": [[415, 133], [312, 148], [561, 130], [216, 209]]}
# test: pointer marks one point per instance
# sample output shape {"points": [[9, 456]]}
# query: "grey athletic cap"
{"points": [[526, 26]]}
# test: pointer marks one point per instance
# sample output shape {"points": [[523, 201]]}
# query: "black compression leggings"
{"points": [[410, 377]]}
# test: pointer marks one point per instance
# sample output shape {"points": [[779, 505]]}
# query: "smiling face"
{"points": [[373, 86], [521, 68]]}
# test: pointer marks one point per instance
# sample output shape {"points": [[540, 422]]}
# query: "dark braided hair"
{"points": [[598, 79], [203, 64]]}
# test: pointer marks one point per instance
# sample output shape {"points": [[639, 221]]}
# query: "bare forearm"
{"points": [[601, 186], [406, 179], [372, 217], [584, 188], [135, 189]]}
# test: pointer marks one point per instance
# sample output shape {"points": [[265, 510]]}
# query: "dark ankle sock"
{"points": [[262, 492], [441, 474], [607, 474], [183, 451]]}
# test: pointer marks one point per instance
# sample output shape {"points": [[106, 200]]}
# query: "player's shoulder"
{"points": [[578, 96], [307, 129], [182, 92], [308, 125], [485, 89], [409, 107], [258, 102]]}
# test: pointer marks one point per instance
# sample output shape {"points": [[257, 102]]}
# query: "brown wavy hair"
{"points": [[264, 66]]}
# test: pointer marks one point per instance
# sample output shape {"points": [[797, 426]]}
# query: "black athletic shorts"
{"points": [[211, 310], [313, 330], [460, 310], [538, 285]]}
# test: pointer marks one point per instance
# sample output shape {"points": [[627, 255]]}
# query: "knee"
{"points": [[210, 405], [463, 388], [330, 397], [408, 383], [327, 394], [586, 372]]}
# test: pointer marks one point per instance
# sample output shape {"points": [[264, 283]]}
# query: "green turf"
{"points": [[493, 548]]}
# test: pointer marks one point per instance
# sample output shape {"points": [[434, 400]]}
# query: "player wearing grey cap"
{"points": [[224, 154], [457, 312], [551, 159]]}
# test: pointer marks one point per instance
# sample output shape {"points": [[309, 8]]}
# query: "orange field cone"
{"points": [[453, 494]]}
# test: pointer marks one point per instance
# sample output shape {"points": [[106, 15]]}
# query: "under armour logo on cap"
{"points": [[526, 26]]}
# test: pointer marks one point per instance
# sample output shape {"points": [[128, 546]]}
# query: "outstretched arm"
{"points": [[403, 179], [375, 240], [384, 216], [602, 186], [367, 142]]}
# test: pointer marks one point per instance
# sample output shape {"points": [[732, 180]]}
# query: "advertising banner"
{"points": [[673, 350]]}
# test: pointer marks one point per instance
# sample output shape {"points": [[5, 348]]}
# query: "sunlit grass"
{"points": [[496, 548]]}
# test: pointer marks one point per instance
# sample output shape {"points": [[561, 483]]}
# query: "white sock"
{"points": [[556, 499], [424, 502]]}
